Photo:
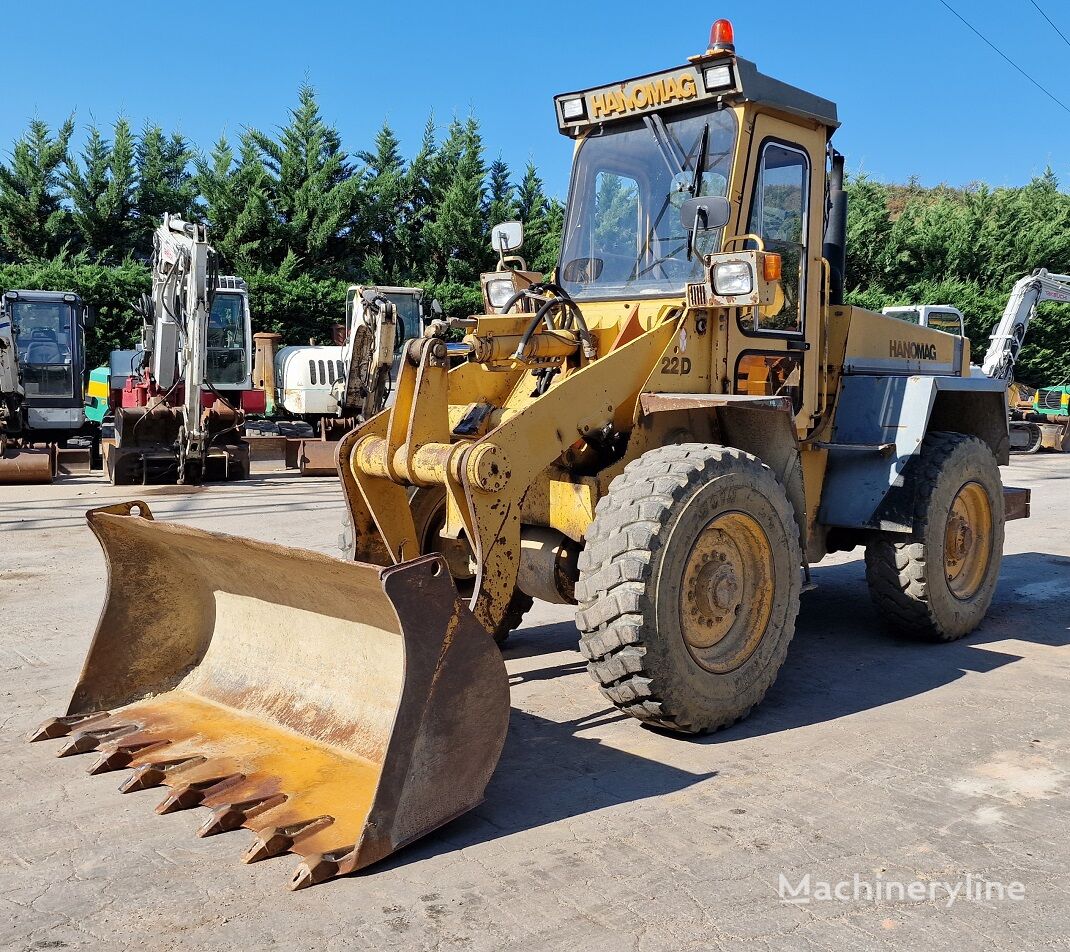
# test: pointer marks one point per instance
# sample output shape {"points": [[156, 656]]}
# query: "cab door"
{"points": [[773, 351]]}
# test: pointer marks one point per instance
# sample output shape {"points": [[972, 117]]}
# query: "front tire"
{"points": [[938, 583], [689, 586]]}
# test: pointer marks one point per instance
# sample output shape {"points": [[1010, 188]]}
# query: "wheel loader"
{"points": [[667, 433]]}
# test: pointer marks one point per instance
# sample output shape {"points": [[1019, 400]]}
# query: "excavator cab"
{"points": [[48, 333]]}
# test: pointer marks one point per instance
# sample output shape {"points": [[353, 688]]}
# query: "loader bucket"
{"points": [[19, 466], [338, 710]]}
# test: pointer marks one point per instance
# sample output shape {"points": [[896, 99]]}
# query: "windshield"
{"points": [[623, 235], [226, 340], [408, 307], [44, 336]]}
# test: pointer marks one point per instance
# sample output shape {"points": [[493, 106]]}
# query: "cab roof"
{"points": [[45, 296], [687, 85]]}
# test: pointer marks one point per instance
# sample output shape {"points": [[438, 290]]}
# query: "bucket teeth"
{"points": [[118, 756], [318, 868], [152, 775], [85, 741], [190, 795], [230, 816], [61, 726], [276, 840]]}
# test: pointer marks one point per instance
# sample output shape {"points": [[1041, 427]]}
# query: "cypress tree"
{"points": [[386, 193], [235, 202], [316, 195], [101, 192], [33, 222], [164, 183]]}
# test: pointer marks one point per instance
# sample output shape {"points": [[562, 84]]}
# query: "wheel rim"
{"points": [[968, 541], [726, 595]]}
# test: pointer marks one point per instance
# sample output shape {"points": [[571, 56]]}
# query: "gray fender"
{"points": [[866, 488]]}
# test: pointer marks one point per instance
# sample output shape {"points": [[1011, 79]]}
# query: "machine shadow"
{"points": [[842, 661]]}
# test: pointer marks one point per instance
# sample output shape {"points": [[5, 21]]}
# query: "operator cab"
{"points": [[49, 331], [709, 185], [411, 312], [229, 335]]}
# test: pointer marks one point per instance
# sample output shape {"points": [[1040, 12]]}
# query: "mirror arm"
{"points": [[701, 225]]}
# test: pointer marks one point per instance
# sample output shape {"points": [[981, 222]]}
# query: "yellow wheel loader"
{"points": [[668, 434]]}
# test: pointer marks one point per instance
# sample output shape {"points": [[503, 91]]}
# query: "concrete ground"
{"points": [[871, 756]]}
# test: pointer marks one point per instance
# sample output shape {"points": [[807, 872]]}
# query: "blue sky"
{"points": [[918, 93]]}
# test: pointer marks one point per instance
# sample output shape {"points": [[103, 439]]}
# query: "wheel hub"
{"points": [[726, 592], [968, 540], [714, 593]]}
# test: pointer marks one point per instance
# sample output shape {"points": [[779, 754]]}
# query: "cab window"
{"points": [[617, 214], [945, 321], [779, 208], [225, 364]]}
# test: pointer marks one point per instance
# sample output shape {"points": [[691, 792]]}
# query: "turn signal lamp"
{"points": [[722, 37], [771, 267]]}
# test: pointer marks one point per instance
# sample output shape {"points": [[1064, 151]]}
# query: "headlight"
{"points": [[733, 279], [717, 77], [499, 290], [573, 109]]}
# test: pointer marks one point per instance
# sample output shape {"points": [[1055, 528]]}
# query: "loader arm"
{"points": [[485, 479]]}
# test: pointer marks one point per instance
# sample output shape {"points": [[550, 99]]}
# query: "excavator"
{"points": [[667, 433], [42, 382], [1033, 432], [181, 411], [336, 387]]}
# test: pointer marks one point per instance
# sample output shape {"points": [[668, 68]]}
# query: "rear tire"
{"points": [[938, 583], [689, 586]]}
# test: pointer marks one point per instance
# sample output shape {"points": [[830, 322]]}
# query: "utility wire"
{"points": [[1049, 19], [996, 49]]}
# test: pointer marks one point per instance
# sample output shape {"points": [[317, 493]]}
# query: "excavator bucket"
{"points": [[337, 710], [19, 466]]}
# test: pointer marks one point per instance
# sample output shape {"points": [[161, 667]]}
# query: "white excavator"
{"points": [[1027, 435], [1021, 308], [336, 387], [175, 423]]}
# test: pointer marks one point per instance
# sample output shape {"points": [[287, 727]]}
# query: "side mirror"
{"points": [[90, 316], [436, 307], [705, 213], [507, 237]]}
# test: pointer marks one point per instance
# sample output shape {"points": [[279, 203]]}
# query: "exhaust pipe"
{"points": [[834, 248]]}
